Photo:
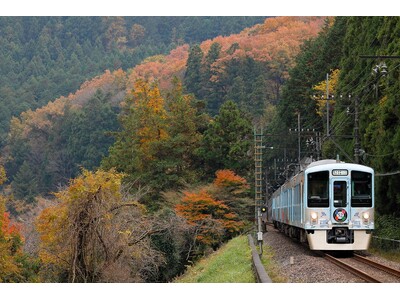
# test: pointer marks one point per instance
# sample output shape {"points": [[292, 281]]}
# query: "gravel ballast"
{"points": [[298, 264]]}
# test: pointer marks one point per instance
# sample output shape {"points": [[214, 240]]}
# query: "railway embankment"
{"points": [[229, 264]]}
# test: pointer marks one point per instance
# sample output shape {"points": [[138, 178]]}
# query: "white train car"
{"points": [[330, 204]]}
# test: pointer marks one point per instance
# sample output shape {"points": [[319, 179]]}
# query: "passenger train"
{"points": [[330, 204]]}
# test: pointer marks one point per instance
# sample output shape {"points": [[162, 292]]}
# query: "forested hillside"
{"points": [[43, 58], [254, 62], [181, 151]]}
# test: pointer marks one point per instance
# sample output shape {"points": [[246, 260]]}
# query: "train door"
{"points": [[340, 205], [290, 206]]}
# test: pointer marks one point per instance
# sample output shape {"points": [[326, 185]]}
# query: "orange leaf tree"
{"points": [[213, 220], [228, 178], [233, 190], [216, 211]]}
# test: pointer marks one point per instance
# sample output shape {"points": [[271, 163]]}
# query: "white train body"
{"points": [[331, 204]]}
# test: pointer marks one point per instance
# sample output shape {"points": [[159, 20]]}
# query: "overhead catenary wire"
{"points": [[343, 119], [387, 174], [382, 155], [337, 126]]}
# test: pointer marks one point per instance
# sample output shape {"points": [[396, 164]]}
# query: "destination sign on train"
{"points": [[340, 172]]}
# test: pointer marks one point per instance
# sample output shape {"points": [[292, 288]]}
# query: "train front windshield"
{"points": [[318, 188], [361, 189]]}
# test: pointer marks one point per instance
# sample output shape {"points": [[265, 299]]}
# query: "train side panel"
{"points": [[287, 203]]}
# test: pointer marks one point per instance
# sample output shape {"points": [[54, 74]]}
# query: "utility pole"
{"points": [[298, 137], [284, 164], [327, 104], [318, 145], [356, 133], [258, 158]]}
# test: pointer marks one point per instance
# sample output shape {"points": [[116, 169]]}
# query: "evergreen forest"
{"points": [[127, 142]]}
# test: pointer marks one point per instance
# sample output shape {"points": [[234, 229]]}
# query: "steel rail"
{"points": [[379, 266], [351, 269]]}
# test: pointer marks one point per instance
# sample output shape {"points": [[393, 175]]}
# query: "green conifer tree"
{"points": [[227, 141], [193, 76]]}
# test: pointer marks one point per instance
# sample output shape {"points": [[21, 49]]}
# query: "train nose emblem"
{"points": [[340, 215]]}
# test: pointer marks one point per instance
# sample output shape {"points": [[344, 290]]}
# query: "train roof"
{"points": [[334, 164]]}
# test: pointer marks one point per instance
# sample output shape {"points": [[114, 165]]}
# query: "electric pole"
{"points": [[356, 133], [298, 137], [258, 158], [327, 104]]}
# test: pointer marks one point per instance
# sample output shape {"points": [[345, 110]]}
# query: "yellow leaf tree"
{"points": [[320, 92], [95, 234], [143, 123]]}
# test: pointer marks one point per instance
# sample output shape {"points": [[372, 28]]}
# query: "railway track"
{"points": [[359, 267], [373, 273]]}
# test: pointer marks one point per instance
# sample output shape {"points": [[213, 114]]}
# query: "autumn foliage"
{"points": [[214, 219], [95, 234], [10, 248], [11, 242], [277, 41], [319, 91], [228, 178], [151, 114], [41, 120]]}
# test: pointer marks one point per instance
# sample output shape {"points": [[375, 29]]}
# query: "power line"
{"points": [[381, 155], [387, 174], [379, 56]]}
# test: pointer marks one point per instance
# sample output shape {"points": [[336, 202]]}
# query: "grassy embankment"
{"points": [[270, 266], [230, 264]]}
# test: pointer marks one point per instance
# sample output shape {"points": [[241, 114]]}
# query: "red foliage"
{"points": [[8, 228], [228, 178], [212, 217], [162, 69]]}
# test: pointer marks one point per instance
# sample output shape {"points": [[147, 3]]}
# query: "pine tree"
{"points": [[237, 93], [184, 137], [193, 75], [210, 88], [227, 141], [25, 184]]}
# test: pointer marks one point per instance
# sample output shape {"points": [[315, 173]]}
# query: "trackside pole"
{"points": [[258, 152]]}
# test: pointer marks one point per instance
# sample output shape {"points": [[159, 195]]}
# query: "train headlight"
{"points": [[365, 217], [314, 217]]}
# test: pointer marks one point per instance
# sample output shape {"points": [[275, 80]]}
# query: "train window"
{"points": [[318, 184], [361, 189], [339, 193]]}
